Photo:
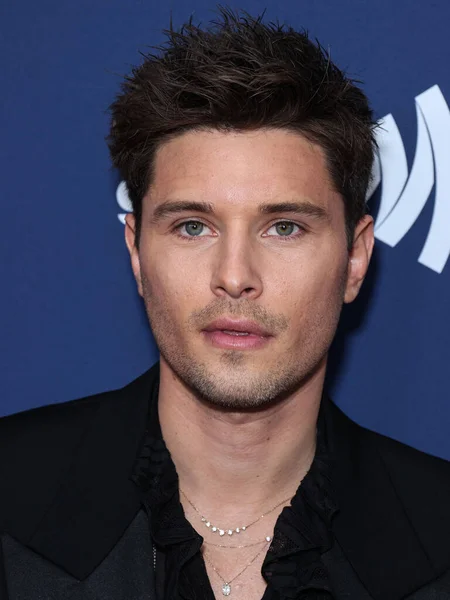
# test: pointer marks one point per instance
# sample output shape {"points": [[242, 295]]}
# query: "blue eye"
{"points": [[192, 228], [284, 229]]}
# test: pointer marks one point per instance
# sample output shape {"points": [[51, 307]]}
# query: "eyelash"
{"points": [[191, 238]]}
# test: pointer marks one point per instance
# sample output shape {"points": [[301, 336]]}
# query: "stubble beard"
{"points": [[236, 380], [231, 387]]}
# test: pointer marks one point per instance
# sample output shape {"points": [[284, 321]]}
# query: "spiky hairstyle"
{"points": [[240, 73]]}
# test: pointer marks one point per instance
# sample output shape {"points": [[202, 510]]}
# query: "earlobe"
{"points": [[359, 257], [130, 240]]}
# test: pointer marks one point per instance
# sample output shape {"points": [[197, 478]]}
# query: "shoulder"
{"points": [[410, 468], [37, 447], [422, 484], [393, 502], [46, 428], [58, 425]]}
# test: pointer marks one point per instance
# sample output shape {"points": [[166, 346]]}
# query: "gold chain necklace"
{"points": [[267, 539], [221, 531], [226, 586]]}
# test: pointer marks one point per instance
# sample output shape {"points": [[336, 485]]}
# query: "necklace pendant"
{"points": [[226, 589]]}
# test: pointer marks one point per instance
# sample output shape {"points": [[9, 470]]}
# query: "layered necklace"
{"points": [[230, 531], [226, 584]]}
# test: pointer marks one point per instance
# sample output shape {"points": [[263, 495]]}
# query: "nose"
{"points": [[235, 273]]}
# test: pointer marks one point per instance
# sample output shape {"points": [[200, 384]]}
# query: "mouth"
{"points": [[239, 335], [235, 332]]}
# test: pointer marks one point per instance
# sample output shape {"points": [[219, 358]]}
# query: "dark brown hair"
{"points": [[240, 74]]}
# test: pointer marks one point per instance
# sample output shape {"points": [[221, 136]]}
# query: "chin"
{"points": [[239, 380], [239, 388]]}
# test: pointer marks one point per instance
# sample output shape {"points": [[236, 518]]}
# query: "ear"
{"points": [[130, 239], [359, 257]]}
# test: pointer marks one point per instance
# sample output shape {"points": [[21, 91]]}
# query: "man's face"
{"points": [[243, 262]]}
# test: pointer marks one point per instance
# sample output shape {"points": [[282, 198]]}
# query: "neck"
{"points": [[221, 456]]}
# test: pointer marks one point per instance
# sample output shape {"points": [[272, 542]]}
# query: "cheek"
{"points": [[171, 283], [312, 296]]}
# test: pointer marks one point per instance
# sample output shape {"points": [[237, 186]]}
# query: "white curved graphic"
{"points": [[403, 198], [123, 200], [375, 179], [393, 166], [436, 250], [416, 192]]}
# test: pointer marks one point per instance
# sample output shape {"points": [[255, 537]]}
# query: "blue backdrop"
{"points": [[72, 323]]}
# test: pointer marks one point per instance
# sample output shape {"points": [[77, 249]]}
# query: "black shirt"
{"points": [[293, 566]]}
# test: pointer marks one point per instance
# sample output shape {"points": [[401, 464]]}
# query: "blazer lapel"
{"points": [[124, 573], [29, 575], [372, 526], [97, 500]]}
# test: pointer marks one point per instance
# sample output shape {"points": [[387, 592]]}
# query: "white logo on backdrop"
{"points": [[403, 197], [123, 201]]}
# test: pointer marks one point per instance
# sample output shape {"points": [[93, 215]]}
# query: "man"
{"points": [[225, 470]]}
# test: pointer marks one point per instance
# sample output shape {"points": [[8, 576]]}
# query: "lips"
{"points": [[237, 327], [236, 334]]}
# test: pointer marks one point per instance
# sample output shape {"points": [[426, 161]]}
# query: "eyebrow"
{"points": [[179, 206], [299, 208]]}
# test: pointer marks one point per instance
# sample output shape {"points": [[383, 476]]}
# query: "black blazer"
{"points": [[66, 500]]}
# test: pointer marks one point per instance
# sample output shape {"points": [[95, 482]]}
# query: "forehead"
{"points": [[241, 168]]}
